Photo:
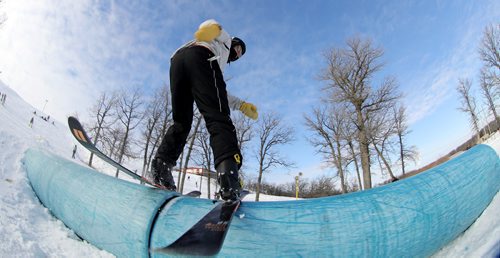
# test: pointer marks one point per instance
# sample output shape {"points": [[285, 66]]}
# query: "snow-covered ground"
{"points": [[27, 229], [482, 239]]}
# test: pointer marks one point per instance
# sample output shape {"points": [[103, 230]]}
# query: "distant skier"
{"points": [[74, 152], [31, 122], [196, 76]]}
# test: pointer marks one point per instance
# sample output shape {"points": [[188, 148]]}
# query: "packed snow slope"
{"points": [[27, 229]]}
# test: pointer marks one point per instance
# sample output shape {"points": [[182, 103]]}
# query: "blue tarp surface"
{"points": [[413, 217]]}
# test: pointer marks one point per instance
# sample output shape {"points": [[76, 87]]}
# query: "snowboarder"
{"points": [[196, 77]]}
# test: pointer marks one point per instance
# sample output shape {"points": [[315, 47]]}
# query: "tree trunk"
{"points": [[259, 181], [387, 165], [364, 151], [209, 180], [145, 159], [340, 168], [122, 149], [491, 104], [355, 160], [95, 142], [180, 168], [401, 153], [188, 154]]}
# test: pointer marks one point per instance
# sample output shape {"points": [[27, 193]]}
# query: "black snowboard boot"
{"points": [[162, 174], [228, 178]]}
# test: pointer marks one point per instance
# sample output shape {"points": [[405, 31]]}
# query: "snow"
{"points": [[27, 229]]}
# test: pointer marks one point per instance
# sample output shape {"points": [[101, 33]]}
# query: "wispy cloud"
{"points": [[438, 81]]}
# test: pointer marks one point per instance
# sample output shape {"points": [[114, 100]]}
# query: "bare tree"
{"points": [[353, 155], [103, 112], [349, 74], [130, 116], [272, 134], [179, 175], [381, 131], [111, 141], [198, 117], [244, 134], [328, 126], [490, 89], [205, 153], [154, 113], [322, 186], [401, 130], [161, 129], [468, 103], [490, 45], [490, 73]]}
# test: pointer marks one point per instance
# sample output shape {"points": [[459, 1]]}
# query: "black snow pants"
{"points": [[193, 78]]}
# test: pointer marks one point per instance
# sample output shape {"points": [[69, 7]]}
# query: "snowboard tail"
{"points": [[81, 136]]}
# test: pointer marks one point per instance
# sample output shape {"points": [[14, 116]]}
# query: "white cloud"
{"points": [[66, 52]]}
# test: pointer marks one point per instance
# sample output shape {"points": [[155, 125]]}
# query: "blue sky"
{"points": [[67, 52]]}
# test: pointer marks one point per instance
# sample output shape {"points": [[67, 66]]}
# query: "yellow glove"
{"points": [[208, 31], [249, 110]]}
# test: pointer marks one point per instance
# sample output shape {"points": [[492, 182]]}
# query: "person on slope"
{"points": [[196, 76]]}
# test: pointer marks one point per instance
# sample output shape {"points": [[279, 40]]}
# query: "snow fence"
{"points": [[408, 218]]}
